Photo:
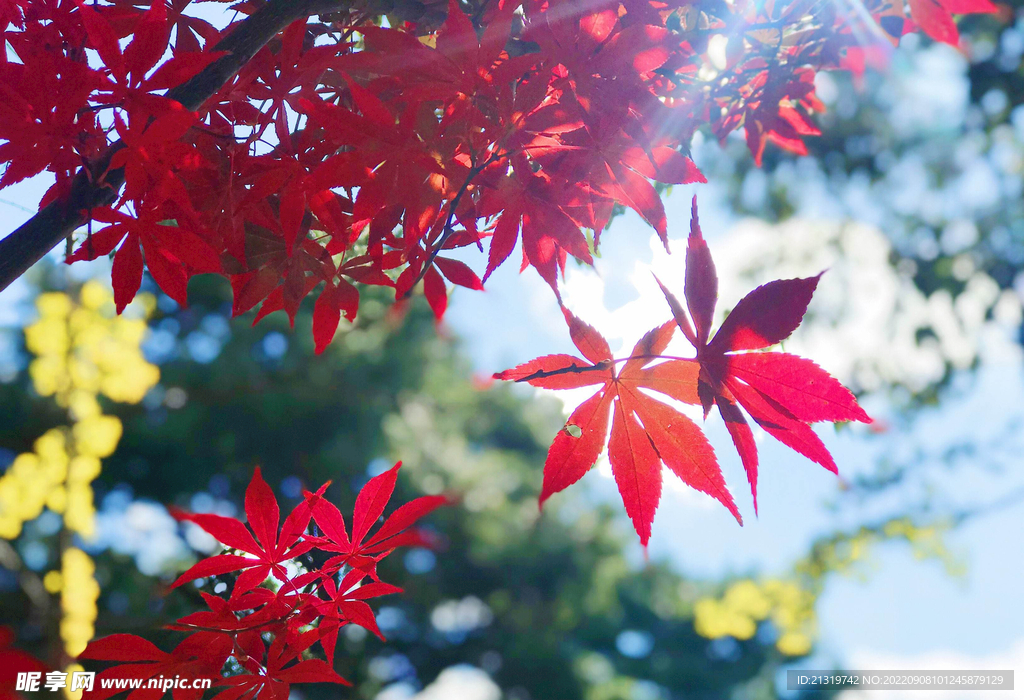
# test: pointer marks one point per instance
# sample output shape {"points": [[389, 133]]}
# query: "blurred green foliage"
{"points": [[554, 605]]}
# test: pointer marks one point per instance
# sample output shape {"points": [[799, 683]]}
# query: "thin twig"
{"points": [[449, 224], [600, 366], [29, 581]]}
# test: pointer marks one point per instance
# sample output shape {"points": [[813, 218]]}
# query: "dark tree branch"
{"points": [[29, 581], [90, 188]]}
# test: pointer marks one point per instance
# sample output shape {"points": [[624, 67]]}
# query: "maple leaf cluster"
{"points": [[293, 587], [781, 392], [357, 149]]}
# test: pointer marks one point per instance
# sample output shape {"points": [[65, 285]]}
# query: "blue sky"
{"points": [[901, 609]]}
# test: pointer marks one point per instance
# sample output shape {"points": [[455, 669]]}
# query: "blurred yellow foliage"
{"points": [[97, 436], [34, 481], [842, 553], [53, 582], [78, 595], [790, 603], [57, 475], [83, 349], [73, 694], [746, 603]]}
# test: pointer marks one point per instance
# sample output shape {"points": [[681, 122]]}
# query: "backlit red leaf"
{"points": [[577, 446], [588, 341], [766, 316], [636, 467], [701, 279], [370, 502], [555, 372], [261, 511], [126, 274], [803, 388], [684, 449], [123, 647]]}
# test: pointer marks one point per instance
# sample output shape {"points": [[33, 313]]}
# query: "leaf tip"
{"points": [[544, 496], [695, 232], [177, 513]]}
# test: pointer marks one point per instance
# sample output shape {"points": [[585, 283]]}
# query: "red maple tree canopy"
{"points": [[323, 144]]}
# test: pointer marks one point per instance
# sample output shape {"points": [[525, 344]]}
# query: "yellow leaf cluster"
{"points": [[82, 350], [78, 595], [746, 603], [73, 694], [849, 553], [58, 475], [790, 603], [85, 347]]}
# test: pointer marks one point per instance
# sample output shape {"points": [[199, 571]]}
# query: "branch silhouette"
{"points": [[96, 186]]}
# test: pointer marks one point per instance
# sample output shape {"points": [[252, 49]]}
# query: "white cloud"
{"points": [[938, 660], [462, 682]]}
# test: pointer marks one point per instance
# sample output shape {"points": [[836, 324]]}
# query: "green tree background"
{"points": [[553, 605]]}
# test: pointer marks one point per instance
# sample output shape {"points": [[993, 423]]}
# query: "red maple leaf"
{"points": [[12, 662], [549, 234], [152, 151], [783, 393], [525, 122], [345, 605], [200, 655], [129, 68], [270, 671], [173, 253], [357, 551], [337, 299], [268, 630], [267, 551], [41, 124], [644, 432], [935, 17]]}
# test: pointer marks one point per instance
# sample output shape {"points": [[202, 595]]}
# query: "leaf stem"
{"points": [[600, 366]]}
